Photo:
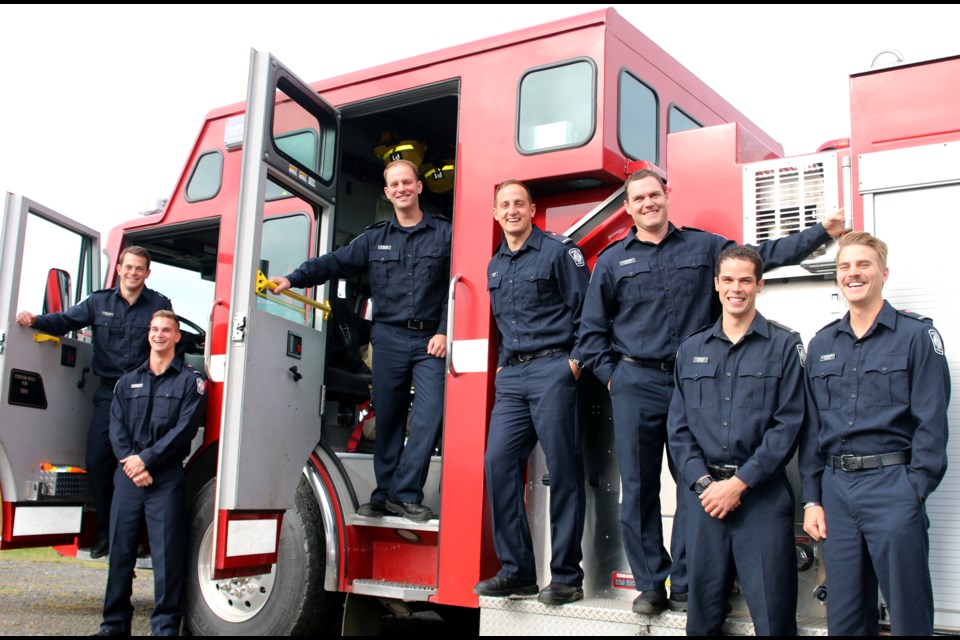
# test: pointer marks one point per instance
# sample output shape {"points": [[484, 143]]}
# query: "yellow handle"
{"points": [[43, 337], [263, 283]]}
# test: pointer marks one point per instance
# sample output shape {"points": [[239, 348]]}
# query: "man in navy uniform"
{"points": [[154, 416], [536, 282], [736, 412], [873, 449], [647, 293], [408, 261], [120, 318]]}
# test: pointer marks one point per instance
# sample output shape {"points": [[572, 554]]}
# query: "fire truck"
{"points": [[279, 468]]}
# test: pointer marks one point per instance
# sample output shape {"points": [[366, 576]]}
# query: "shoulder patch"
{"points": [[783, 326], [375, 225], [915, 316], [936, 340], [685, 228], [558, 237], [577, 256], [803, 355]]}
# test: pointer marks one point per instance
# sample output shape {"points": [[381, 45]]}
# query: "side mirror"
{"points": [[56, 297]]}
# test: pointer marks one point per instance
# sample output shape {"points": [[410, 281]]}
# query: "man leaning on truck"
{"points": [[408, 261], [120, 318]]}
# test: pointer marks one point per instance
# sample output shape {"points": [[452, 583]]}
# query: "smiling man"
{"points": [[647, 293], [120, 318], [873, 449], [736, 411], [536, 282], [408, 262]]}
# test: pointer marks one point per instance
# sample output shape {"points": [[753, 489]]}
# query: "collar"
{"points": [[759, 326], [632, 236], [534, 241], [427, 221], [145, 294], [176, 364], [887, 317]]}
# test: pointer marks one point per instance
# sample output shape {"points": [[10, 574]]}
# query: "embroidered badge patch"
{"points": [[936, 340], [577, 257], [803, 355], [201, 386]]}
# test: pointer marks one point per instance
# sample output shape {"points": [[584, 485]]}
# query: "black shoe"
{"points": [[409, 510], [372, 509], [103, 632], [678, 601], [651, 602], [101, 549], [557, 593], [498, 587], [142, 552]]}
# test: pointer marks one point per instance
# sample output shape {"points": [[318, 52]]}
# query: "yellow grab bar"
{"points": [[43, 337], [263, 283]]}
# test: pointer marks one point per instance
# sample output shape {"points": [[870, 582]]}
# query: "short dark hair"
{"points": [[741, 252], [166, 313], [644, 173], [134, 251], [506, 183]]}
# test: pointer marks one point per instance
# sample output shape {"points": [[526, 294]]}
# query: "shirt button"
{"points": [[856, 344], [729, 374], [724, 423], [724, 448], [844, 441], [853, 395], [850, 422], [883, 368], [726, 399], [854, 369]]}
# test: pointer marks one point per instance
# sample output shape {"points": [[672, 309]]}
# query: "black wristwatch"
{"points": [[701, 485], [577, 363]]}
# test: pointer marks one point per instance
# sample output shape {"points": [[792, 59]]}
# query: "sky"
{"points": [[100, 104]]}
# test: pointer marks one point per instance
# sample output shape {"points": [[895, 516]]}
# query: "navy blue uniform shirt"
{"points": [[409, 269], [119, 329], [537, 293], [645, 298], [156, 417], [737, 404], [883, 393]]}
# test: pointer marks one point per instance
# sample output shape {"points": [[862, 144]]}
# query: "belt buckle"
{"points": [[416, 325], [854, 463], [664, 367], [523, 357]]}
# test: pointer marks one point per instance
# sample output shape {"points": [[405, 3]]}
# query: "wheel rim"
{"points": [[233, 599]]}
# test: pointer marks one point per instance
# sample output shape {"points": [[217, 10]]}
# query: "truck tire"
{"points": [[290, 600]]}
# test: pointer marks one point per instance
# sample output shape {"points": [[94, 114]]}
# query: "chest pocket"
{"points": [[433, 262], [634, 283], [107, 328], [699, 382], [385, 266], [886, 381], [537, 286], [166, 410], [757, 383], [827, 383], [135, 403], [493, 288], [692, 275]]}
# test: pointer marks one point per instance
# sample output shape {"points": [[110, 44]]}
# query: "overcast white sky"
{"points": [[100, 104]]}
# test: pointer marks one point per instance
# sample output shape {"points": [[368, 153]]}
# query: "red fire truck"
{"points": [[279, 468]]}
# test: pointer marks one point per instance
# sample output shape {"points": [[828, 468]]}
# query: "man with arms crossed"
{"points": [[736, 412], [873, 448], [648, 292]]}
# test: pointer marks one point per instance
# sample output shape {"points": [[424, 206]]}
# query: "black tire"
{"points": [[289, 601]]}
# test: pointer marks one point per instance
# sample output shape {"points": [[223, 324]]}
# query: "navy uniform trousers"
{"points": [[536, 401], [400, 358], [758, 537], [162, 506], [641, 398], [101, 463], [876, 514]]}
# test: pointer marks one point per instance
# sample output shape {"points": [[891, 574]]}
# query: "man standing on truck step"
{"points": [[408, 262], [873, 448], [647, 293], [537, 282], [733, 423], [120, 318], [154, 416]]}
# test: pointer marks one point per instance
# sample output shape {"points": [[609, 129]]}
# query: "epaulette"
{"points": [[829, 324], [559, 237], [915, 316], [440, 216], [685, 228], [106, 290], [377, 224], [700, 330], [784, 327], [608, 247]]}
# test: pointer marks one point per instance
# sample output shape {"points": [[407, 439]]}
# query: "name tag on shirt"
{"points": [[384, 247], [828, 356], [109, 314], [624, 263], [701, 359], [136, 385]]}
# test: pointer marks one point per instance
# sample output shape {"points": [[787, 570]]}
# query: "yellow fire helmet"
{"points": [[439, 177], [391, 149]]}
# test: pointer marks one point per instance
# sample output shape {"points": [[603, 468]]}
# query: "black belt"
{"points": [[722, 471], [111, 382], [524, 357], [417, 325], [663, 365], [861, 463]]}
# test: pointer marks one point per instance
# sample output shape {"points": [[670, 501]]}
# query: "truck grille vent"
{"points": [[788, 199]]}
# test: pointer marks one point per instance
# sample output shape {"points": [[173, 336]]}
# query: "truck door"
{"points": [[46, 388], [274, 379]]}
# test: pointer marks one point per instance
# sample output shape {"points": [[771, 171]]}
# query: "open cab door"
{"points": [[273, 386], [46, 386]]}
